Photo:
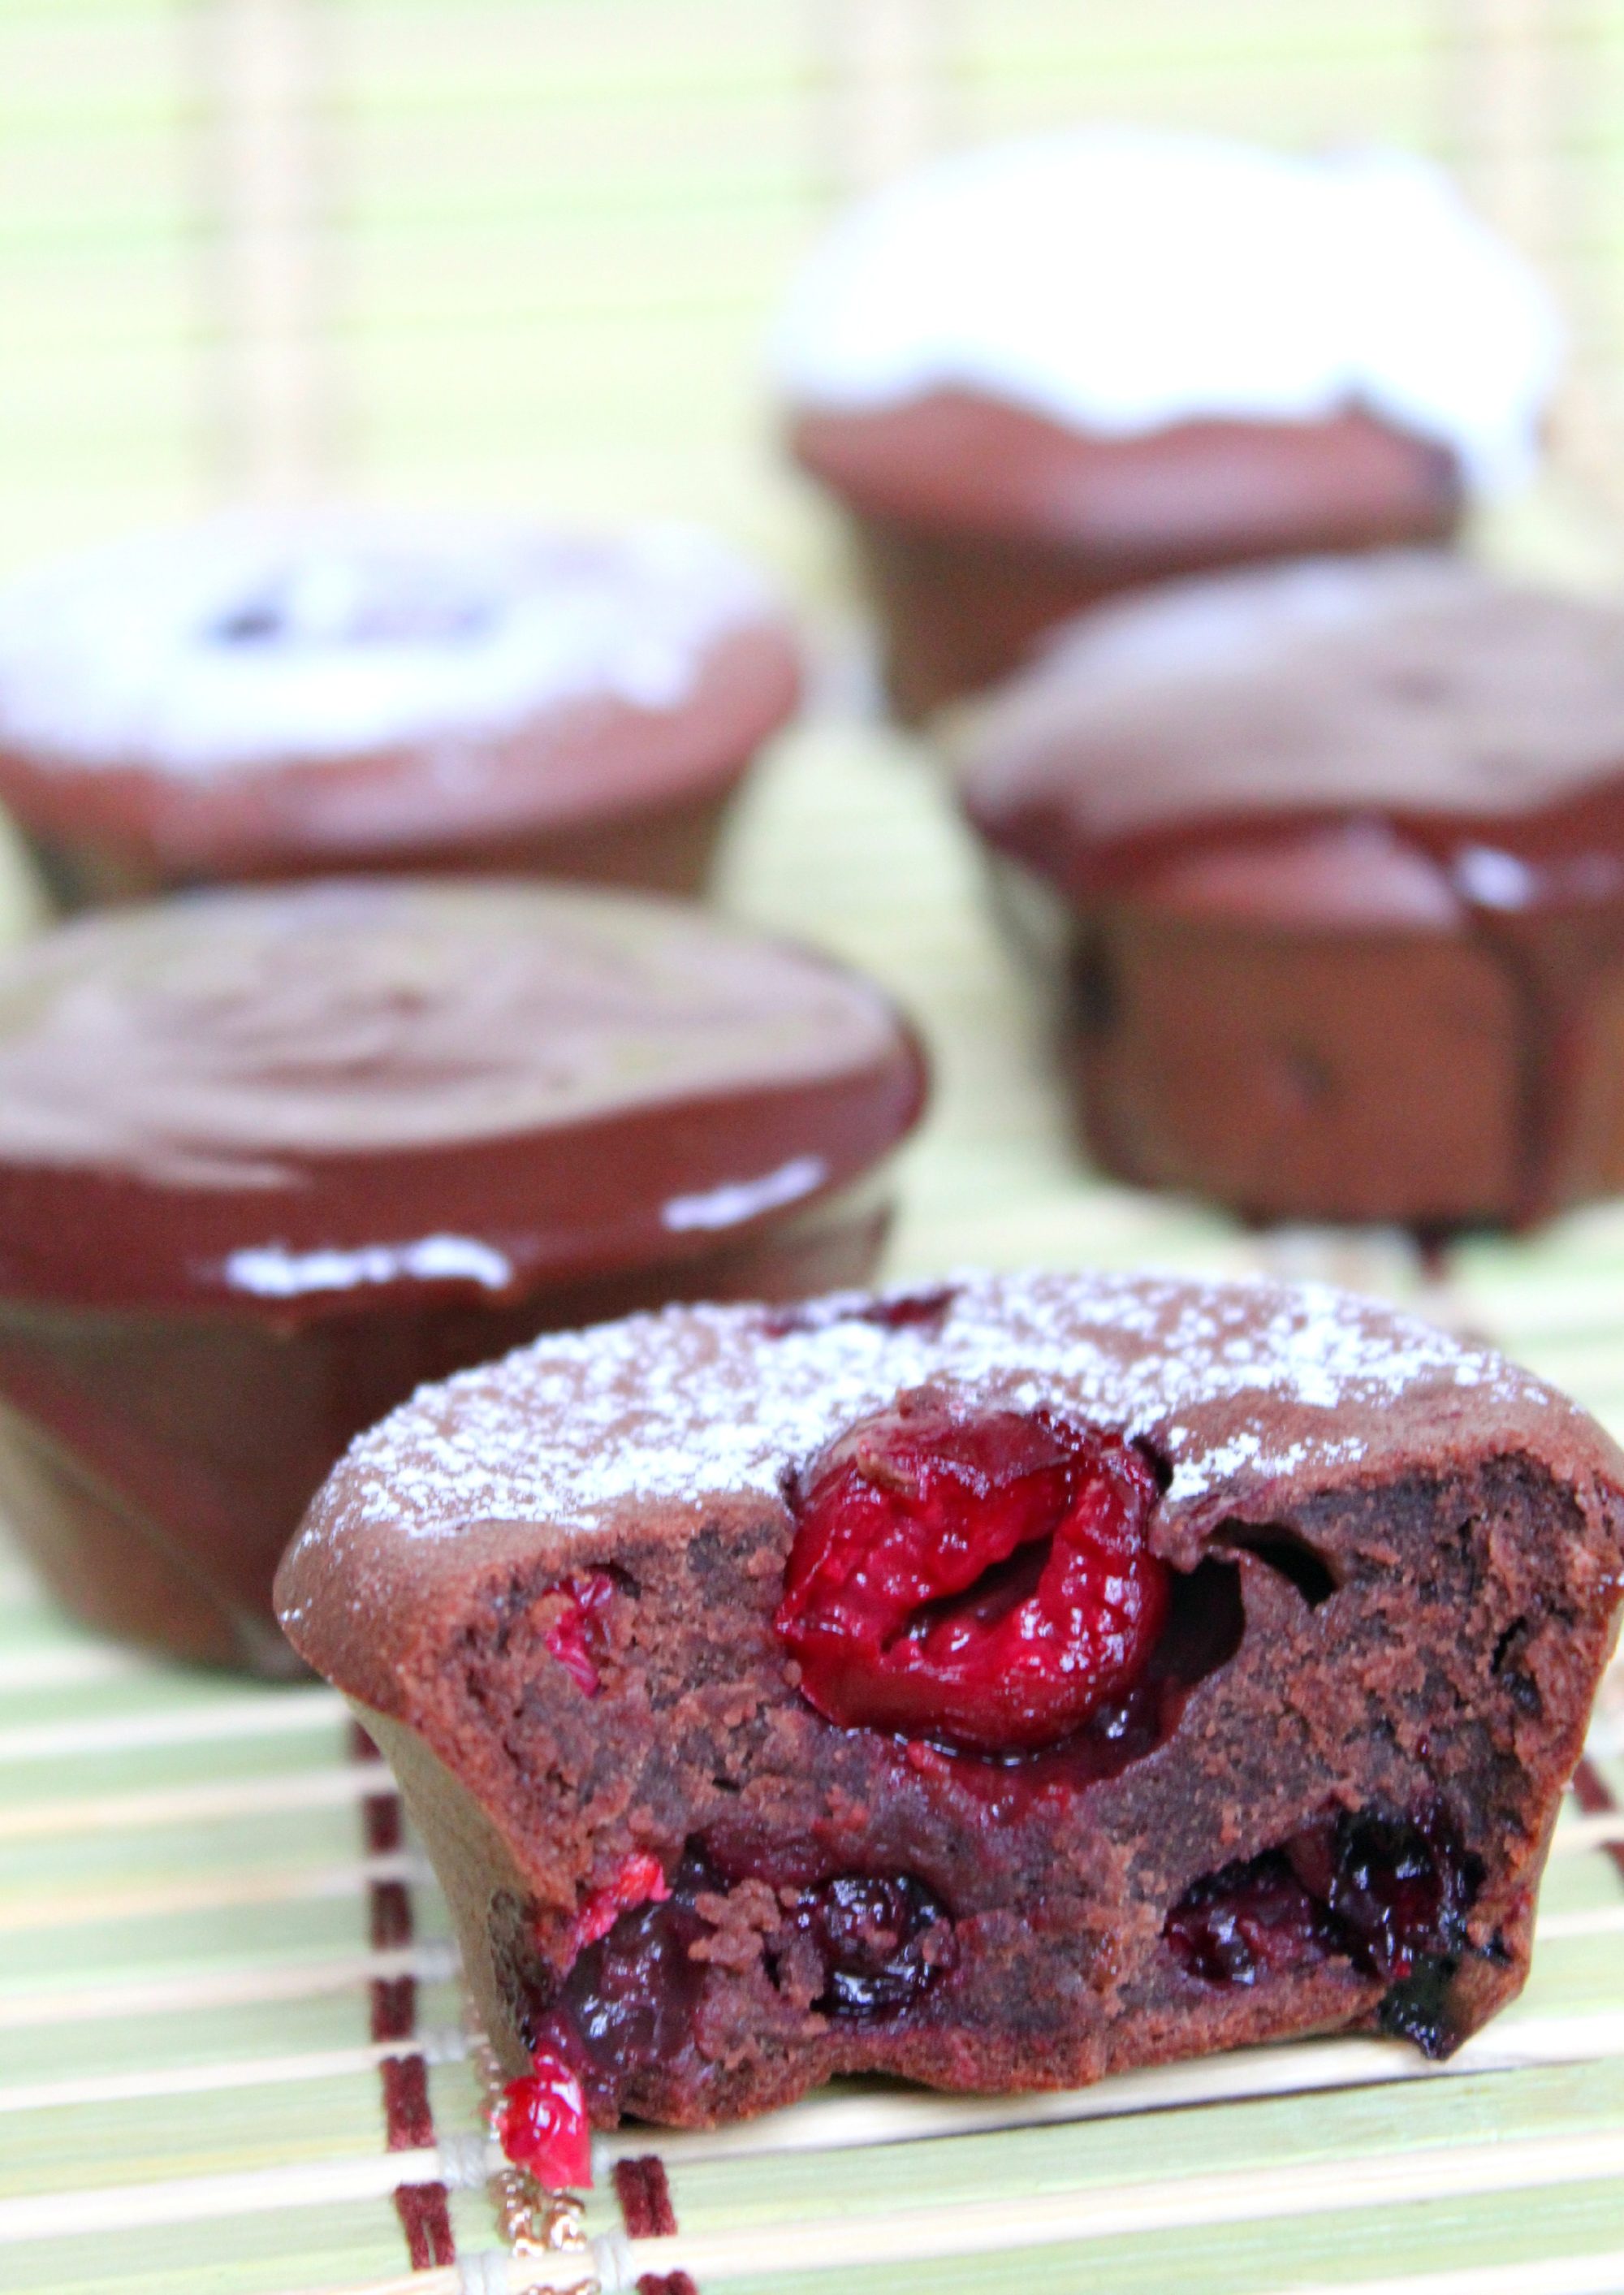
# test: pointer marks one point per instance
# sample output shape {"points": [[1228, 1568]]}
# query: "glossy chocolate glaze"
{"points": [[1402, 746], [269, 1160], [980, 523], [287, 1100]]}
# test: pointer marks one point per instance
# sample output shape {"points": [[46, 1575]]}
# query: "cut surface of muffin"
{"points": [[998, 1684]]}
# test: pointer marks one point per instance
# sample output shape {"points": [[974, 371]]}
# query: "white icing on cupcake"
{"points": [[1120, 281], [256, 637]]}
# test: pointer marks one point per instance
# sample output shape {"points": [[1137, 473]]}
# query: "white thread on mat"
{"points": [[467, 2162]]}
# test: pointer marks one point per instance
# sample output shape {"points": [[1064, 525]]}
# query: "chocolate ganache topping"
{"points": [[1478, 714], [305, 1093]]}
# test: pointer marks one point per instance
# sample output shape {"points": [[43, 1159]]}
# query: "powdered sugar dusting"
{"points": [[258, 636], [1227, 1380]]}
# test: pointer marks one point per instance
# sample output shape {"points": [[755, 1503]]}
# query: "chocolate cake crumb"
{"points": [[1088, 1673]]}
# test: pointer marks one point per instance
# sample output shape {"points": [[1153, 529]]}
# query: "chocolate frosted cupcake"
{"points": [[273, 696], [999, 1686], [1330, 858], [1047, 370], [268, 1159]]}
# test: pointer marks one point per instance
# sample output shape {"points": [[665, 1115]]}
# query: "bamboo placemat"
{"points": [[524, 249], [231, 2049]]}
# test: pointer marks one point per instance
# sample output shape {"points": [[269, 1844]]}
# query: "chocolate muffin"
{"points": [[1329, 861], [271, 1158], [999, 1685], [266, 697], [1047, 370]]}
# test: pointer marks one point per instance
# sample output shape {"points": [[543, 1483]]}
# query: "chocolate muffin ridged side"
{"points": [[979, 527], [1328, 862]]}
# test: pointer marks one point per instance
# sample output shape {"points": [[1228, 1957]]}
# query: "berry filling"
{"points": [[639, 1881], [979, 1577], [847, 1945], [873, 1946], [1388, 1892], [629, 2002], [541, 2124], [576, 1636], [1248, 1920]]}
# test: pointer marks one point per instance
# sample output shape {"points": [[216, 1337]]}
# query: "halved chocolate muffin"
{"points": [[1043, 371], [270, 1159], [1327, 863], [999, 1684], [273, 695]]}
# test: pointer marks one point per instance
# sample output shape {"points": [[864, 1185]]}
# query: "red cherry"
{"points": [[1248, 1921], [978, 1576], [639, 1881], [575, 1637], [541, 2124]]}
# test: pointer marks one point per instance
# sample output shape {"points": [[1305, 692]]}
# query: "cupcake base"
{"points": [[979, 525], [669, 848]]}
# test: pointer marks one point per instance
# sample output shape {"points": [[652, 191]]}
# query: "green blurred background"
{"points": [[491, 249]]}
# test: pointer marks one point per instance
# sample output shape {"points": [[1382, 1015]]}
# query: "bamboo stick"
{"points": [[1050, 2218], [1430, 2175], [884, 80], [75, 1666], [437, 2044], [432, 1962], [1556, 2274], [237, 1797], [856, 2120], [281, 1884], [263, 75], [273, 1714]]}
